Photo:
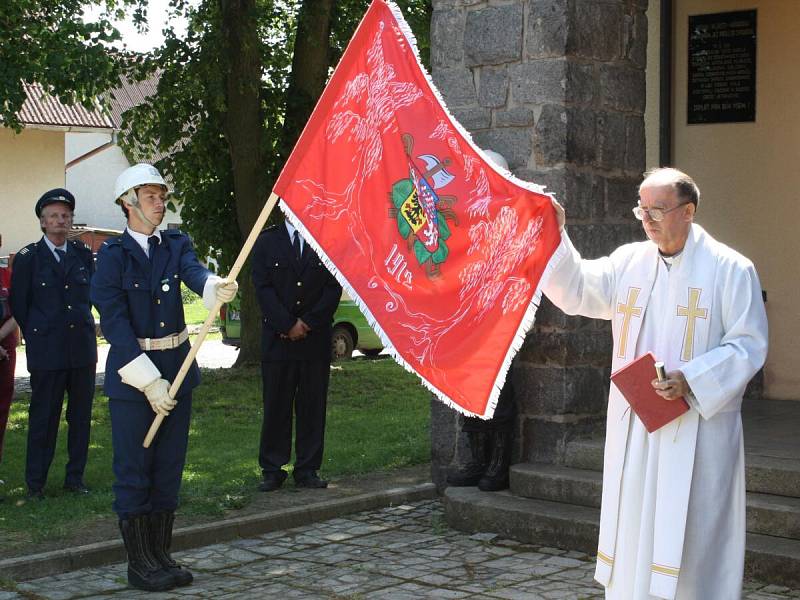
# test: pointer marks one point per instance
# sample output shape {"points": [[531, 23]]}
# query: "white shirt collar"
{"points": [[141, 239], [291, 229], [53, 247]]}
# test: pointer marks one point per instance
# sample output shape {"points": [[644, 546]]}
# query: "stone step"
{"points": [[772, 475], [557, 484], [531, 521], [585, 454], [773, 515], [763, 474], [573, 527], [766, 513], [773, 559]]}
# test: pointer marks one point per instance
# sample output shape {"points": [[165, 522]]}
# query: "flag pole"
{"points": [[234, 272]]}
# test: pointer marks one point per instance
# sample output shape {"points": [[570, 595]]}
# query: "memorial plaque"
{"points": [[722, 68]]}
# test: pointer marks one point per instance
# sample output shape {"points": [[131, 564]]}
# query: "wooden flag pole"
{"points": [[237, 266]]}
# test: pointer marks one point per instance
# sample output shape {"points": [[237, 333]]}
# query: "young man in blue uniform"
{"points": [[137, 290], [298, 297], [50, 301]]}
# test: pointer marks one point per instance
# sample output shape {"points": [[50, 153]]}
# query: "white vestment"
{"points": [[672, 519]]}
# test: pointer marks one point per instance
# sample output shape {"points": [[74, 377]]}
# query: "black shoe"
{"points": [[35, 494], [496, 476], [160, 541], [309, 480], [144, 571], [470, 473], [76, 488], [272, 481]]}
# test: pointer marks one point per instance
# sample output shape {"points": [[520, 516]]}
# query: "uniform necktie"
{"points": [[296, 244], [62, 258], [152, 242]]}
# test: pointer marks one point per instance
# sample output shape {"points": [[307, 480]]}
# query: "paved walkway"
{"points": [[398, 553]]}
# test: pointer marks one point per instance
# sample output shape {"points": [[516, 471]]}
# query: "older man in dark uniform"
{"points": [[137, 291], [298, 297], [50, 301]]}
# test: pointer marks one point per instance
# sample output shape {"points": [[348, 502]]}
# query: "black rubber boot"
{"points": [[144, 571], [470, 473], [496, 476], [161, 539]]}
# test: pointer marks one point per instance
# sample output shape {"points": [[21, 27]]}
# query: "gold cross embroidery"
{"points": [[628, 311], [691, 313]]}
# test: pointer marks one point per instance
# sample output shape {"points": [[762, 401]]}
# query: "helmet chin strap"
{"points": [[142, 217], [132, 200]]}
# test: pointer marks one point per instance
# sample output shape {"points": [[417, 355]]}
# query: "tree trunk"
{"points": [[243, 128], [310, 64]]}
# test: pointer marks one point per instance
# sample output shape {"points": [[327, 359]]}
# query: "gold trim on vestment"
{"points": [[605, 558], [664, 570]]}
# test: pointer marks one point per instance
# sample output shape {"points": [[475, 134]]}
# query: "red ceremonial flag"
{"points": [[442, 250]]}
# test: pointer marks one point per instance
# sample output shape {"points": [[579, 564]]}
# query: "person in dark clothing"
{"points": [[298, 297], [489, 444], [50, 302]]}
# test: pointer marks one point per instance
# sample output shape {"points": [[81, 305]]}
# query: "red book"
{"points": [[634, 382]]}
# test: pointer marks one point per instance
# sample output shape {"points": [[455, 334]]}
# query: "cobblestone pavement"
{"points": [[403, 552]]}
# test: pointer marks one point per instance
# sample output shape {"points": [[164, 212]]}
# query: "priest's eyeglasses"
{"points": [[654, 214]]}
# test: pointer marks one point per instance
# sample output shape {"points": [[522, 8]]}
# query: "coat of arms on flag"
{"points": [[442, 250]]}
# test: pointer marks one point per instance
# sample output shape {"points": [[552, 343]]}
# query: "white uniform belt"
{"points": [[164, 343]]}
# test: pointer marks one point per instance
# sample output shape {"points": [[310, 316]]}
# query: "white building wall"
{"points": [[92, 181], [31, 163]]}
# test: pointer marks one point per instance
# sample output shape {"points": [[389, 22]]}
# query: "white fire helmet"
{"points": [[496, 158], [137, 176]]}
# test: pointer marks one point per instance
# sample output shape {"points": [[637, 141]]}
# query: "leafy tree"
{"points": [[47, 42], [233, 96]]}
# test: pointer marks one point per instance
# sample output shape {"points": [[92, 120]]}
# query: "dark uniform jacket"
{"points": [[50, 302], [140, 297], [287, 289]]}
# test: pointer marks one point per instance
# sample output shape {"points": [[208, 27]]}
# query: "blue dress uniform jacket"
{"points": [[287, 289], [50, 301], [140, 297], [51, 305]]}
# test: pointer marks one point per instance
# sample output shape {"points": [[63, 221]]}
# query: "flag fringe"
{"points": [[530, 312]]}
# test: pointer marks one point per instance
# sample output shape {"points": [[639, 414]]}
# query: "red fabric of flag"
{"points": [[442, 249]]}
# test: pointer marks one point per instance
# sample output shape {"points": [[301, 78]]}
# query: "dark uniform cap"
{"points": [[53, 196]]}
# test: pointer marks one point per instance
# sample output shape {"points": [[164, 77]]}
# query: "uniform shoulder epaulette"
{"points": [[113, 241], [81, 245], [269, 229], [26, 249], [172, 232]]}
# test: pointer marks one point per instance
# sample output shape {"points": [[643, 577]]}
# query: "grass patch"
{"points": [[378, 418]]}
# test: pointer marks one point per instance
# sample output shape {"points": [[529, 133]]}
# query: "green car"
{"points": [[351, 331]]}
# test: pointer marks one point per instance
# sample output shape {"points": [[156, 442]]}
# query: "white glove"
{"points": [[218, 289], [158, 395], [142, 374], [226, 291]]}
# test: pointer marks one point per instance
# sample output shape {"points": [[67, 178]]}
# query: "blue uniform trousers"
{"points": [[148, 479], [47, 399], [302, 386]]}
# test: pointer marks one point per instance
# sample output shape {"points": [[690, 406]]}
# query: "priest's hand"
{"points": [[560, 214], [673, 387]]}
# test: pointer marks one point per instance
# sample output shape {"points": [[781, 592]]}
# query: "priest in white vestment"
{"points": [[673, 506]]}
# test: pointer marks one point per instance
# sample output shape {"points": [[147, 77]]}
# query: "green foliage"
{"points": [[186, 116], [47, 42]]}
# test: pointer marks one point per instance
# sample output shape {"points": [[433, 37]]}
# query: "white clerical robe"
{"points": [[672, 519]]}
